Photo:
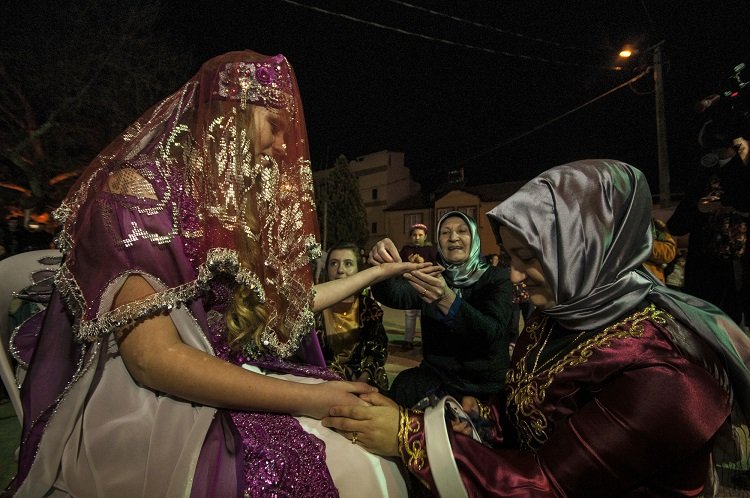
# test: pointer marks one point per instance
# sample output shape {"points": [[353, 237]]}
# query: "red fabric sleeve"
{"points": [[641, 424], [630, 434]]}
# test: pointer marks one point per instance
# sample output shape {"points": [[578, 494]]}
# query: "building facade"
{"points": [[394, 202], [473, 201], [383, 181]]}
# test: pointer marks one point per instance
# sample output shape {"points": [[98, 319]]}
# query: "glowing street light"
{"points": [[627, 51]]}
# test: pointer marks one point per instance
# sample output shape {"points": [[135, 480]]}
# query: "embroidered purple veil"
{"points": [[192, 156]]}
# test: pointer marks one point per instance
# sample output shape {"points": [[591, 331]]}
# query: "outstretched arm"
{"points": [[156, 357], [330, 293]]}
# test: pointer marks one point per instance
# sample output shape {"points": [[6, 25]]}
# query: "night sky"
{"points": [[366, 89]]}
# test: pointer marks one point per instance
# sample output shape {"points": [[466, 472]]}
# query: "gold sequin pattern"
{"points": [[192, 160]]}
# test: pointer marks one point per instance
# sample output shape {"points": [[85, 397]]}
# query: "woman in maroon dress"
{"points": [[618, 386]]}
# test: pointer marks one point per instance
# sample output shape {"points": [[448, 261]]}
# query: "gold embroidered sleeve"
{"points": [[411, 439]]}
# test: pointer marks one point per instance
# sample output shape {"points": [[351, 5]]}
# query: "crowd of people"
{"points": [[189, 348]]}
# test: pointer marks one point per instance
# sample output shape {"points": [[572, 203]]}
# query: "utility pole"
{"points": [[325, 217], [661, 128]]}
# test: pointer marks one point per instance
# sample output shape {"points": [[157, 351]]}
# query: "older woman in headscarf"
{"points": [[617, 387], [466, 308]]}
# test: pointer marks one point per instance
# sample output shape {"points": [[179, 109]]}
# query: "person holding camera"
{"points": [[715, 213]]}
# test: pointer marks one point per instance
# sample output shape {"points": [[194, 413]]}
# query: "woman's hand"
{"points": [[384, 251], [470, 404], [335, 393], [390, 270], [329, 293], [364, 377], [416, 258], [431, 286], [376, 425]]}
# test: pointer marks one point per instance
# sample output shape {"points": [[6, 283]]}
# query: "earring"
{"points": [[520, 294]]}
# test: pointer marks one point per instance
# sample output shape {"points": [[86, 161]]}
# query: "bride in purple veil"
{"points": [[177, 337]]}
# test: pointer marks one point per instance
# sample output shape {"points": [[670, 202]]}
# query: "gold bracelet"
{"points": [[403, 418]]}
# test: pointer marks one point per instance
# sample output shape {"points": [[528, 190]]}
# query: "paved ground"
{"points": [[398, 358]]}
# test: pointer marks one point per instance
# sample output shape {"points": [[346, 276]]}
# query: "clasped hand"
{"points": [[376, 425]]}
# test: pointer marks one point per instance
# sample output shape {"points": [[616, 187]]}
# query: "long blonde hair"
{"points": [[247, 316]]}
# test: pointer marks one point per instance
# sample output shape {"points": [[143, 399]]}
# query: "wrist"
{"points": [[444, 295]]}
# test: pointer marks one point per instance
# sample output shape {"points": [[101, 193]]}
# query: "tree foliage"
{"points": [[341, 211], [73, 74]]}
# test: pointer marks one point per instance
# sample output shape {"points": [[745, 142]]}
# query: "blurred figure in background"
{"points": [[675, 271], [663, 251], [715, 214], [419, 251]]}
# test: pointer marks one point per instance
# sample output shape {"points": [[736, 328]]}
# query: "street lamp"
{"points": [[627, 51]]}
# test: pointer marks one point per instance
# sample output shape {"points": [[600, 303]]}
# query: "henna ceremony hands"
{"points": [[376, 425], [416, 258], [384, 251], [385, 256], [337, 393]]}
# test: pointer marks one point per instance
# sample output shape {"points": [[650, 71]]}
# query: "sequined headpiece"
{"points": [[265, 83]]}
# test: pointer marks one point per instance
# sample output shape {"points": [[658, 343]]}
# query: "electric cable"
{"points": [[496, 29], [549, 122], [449, 42]]}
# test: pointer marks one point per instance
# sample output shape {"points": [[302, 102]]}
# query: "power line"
{"points": [[447, 42], [651, 24], [494, 28], [549, 122]]}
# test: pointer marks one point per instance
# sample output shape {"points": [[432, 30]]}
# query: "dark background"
{"points": [[447, 105]]}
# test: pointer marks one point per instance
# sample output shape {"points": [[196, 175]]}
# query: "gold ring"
{"points": [[355, 435], [424, 292]]}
